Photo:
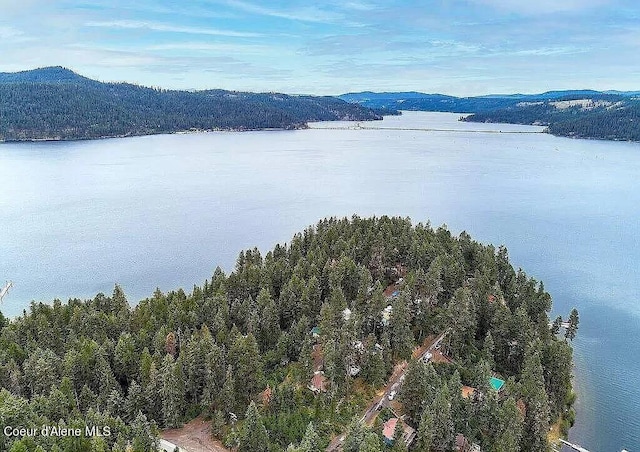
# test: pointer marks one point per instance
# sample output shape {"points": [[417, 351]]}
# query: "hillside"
{"points": [[610, 115], [415, 101], [607, 117], [58, 104], [291, 348]]}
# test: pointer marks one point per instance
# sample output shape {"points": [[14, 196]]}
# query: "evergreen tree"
{"points": [[418, 389], [509, 429], [171, 392], [537, 403], [572, 329], [443, 428], [144, 434], [425, 431], [253, 436], [373, 368], [311, 440], [402, 340], [371, 443], [355, 437]]}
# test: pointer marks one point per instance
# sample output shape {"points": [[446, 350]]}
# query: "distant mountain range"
{"points": [[415, 101], [610, 115], [55, 103]]}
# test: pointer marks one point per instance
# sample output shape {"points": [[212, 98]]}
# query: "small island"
{"points": [[359, 334]]}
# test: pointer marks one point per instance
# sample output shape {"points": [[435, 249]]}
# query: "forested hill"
{"points": [[415, 101], [289, 349], [58, 104], [608, 117]]}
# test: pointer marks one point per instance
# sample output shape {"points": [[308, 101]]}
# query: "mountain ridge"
{"points": [[56, 103]]}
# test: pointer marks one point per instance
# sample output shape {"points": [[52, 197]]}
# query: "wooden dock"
{"points": [[574, 446]]}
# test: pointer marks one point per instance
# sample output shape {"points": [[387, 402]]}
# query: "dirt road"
{"points": [[394, 384], [194, 437]]}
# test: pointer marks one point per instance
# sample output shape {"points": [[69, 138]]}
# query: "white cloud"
{"points": [[13, 35], [247, 49], [306, 14], [154, 26], [9, 32], [527, 7]]}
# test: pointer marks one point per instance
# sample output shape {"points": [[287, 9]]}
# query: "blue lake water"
{"points": [[163, 211]]}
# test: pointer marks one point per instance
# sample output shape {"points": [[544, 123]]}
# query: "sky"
{"points": [[457, 47]]}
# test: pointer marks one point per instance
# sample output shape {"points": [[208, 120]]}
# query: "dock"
{"points": [[8, 285], [574, 446]]}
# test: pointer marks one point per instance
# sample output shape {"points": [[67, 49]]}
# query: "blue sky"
{"points": [[469, 47]]}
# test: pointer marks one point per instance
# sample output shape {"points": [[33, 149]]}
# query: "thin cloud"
{"points": [[13, 35], [306, 14], [167, 28], [255, 49], [542, 6]]}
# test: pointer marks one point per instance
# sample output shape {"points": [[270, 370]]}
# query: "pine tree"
{"points": [[425, 431], [253, 436], [462, 316], [400, 334], [371, 443], [443, 428], [217, 424], [125, 358], [134, 402], [488, 348], [171, 392], [144, 434], [227, 397], [417, 391], [373, 369], [556, 325], [537, 404], [509, 428], [572, 329], [311, 440], [355, 437]]}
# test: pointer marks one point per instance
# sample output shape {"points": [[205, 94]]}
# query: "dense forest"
{"points": [[594, 114], [246, 349], [608, 117], [57, 104], [415, 101]]}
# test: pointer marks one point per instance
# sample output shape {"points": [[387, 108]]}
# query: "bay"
{"points": [[163, 211]]}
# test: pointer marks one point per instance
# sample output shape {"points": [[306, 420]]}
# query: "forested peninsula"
{"points": [[57, 104], [293, 349], [612, 115], [605, 117]]}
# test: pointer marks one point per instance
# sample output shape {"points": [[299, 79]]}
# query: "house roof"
{"points": [[318, 382], [467, 391], [461, 442], [265, 395], [390, 428]]}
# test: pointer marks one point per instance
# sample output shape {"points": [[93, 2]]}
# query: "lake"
{"points": [[163, 211]]}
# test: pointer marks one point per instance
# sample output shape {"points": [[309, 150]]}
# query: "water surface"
{"points": [[163, 211]]}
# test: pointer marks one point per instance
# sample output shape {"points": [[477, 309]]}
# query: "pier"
{"points": [[574, 446]]}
